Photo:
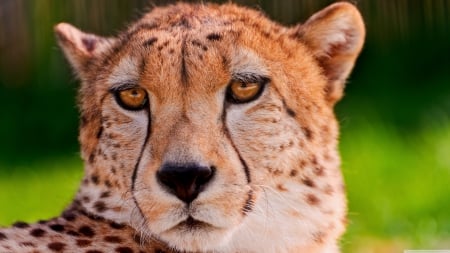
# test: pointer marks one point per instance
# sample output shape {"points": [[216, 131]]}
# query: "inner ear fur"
{"points": [[335, 36], [79, 47]]}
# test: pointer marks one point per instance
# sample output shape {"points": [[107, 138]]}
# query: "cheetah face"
{"points": [[210, 122]]}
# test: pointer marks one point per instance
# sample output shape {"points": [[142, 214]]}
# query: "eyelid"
{"points": [[247, 77], [124, 86]]}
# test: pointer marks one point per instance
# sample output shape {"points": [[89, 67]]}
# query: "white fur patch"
{"points": [[124, 72], [247, 62]]}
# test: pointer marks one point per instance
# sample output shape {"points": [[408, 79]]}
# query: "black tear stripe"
{"points": [[227, 134], [248, 205], [184, 74], [136, 166]]}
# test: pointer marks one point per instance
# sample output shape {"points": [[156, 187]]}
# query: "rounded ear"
{"points": [[79, 47], [335, 36]]}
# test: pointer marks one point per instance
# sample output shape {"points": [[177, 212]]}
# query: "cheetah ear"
{"points": [[79, 47], [335, 35]]}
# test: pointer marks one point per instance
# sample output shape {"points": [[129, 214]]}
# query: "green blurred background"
{"points": [[395, 118]]}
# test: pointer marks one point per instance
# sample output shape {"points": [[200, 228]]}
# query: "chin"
{"points": [[196, 238]]}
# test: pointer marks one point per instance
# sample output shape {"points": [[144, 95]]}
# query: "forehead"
{"points": [[183, 45]]}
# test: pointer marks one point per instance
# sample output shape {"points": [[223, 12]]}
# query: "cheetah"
{"points": [[206, 128]]}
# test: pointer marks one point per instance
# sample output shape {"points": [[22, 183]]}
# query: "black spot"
{"points": [[308, 133], [92, 158], [199, 44], [42, 222], [37, 232], [57, 227], [92, 216], [312, 199], [224, 60], [105, 194], [150, 42], [69, 216], [100, 206], [308, 182], [83, 243], [86, 231], [108, 184], [266, 34], [99, 133], [94, 251], [163, 45], [290, 112], [73, 233], [214, 37], [76, 202], [112, 239], [86, 199], [56, 246], [293, 173], [2, 236], [184, 23], [124, 250], [20, 224], [94, 179], [116, 225]]}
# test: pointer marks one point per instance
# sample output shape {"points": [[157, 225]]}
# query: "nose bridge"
{"points": [[189, 137]]}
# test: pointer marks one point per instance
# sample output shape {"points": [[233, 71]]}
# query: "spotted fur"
{"points": [[277, 185]]}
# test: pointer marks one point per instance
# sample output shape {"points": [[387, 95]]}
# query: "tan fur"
{"points": [[277, 186]]}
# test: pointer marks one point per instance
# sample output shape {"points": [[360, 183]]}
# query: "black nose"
{"points": [[185, 181]]}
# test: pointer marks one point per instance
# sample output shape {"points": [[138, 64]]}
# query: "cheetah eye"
{"points": [[132, 99], [243, 92]]}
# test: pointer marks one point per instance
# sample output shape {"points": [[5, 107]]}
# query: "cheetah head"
{"points": [[207, 127]]}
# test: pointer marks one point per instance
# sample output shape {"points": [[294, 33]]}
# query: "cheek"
{"points": [[268, 139], [120, 142]]}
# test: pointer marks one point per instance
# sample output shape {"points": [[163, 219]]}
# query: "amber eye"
{"points": [[132, 98], [242, 92]]}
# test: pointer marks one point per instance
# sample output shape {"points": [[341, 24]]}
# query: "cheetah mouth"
{"points": [[192, 224]]}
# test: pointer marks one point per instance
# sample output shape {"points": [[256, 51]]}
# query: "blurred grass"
{"points": [[398, 186], [37, 189]]}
